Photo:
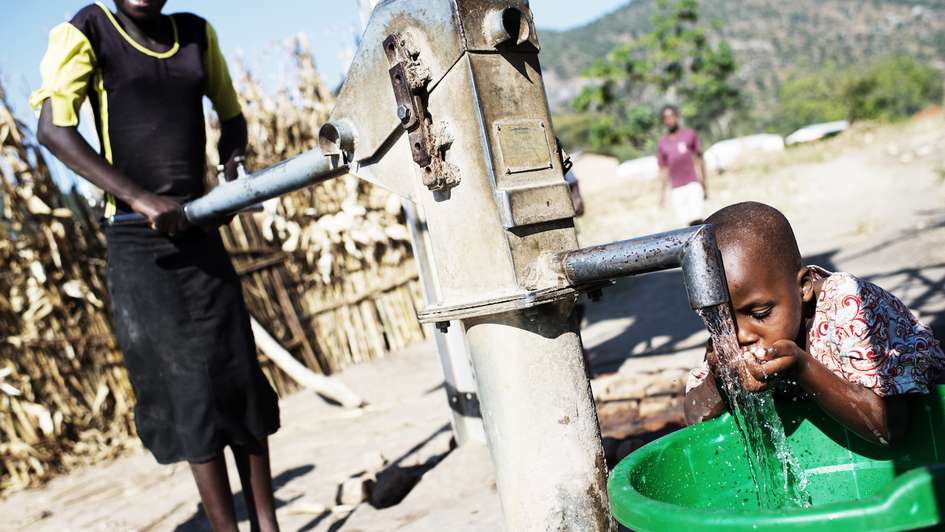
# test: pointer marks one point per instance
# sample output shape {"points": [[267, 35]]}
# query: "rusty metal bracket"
{"points": [[564, 157], [409, 79]]}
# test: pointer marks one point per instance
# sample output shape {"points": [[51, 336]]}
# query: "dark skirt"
{"points": [[184, 330]]}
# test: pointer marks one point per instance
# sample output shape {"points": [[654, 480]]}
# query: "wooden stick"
{"points": [[325, 386]]}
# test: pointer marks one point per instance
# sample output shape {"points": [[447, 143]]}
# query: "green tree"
{"points": [[672, 63]]}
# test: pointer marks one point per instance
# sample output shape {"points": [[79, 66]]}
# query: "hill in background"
{"points": [[771, 38]]}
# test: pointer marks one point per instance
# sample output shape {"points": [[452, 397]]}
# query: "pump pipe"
{"points": [[692, 248]]}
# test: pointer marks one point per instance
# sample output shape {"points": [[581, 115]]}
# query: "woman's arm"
{"points": [[71, 148], [877, 419], [233, 139]]}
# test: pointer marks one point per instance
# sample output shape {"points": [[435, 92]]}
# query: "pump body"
{"points": [[445, 106]]}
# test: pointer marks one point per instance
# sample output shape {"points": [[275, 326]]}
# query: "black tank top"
{"points": [[148, 105]]}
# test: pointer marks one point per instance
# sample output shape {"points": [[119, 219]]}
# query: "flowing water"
{"points": [[779, 480]]}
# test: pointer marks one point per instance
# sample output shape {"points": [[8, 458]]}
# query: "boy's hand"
{"points": [[745, 377], [759, 366], [710, 357], [763, 365]]}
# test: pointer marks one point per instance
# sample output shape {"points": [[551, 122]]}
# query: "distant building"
{"points": [[643, 169], [816, 132], [726, 154], [594, 171]]}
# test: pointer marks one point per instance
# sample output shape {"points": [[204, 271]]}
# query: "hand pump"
{"points": [[445, 106]]}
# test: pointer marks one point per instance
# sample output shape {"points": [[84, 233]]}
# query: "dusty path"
{"points": [[318, 446], [872, 203]]}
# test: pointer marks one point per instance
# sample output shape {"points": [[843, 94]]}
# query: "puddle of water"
{"points": [[779, 480]]}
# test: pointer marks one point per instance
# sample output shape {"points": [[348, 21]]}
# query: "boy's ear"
{"points": [[805, 281]]}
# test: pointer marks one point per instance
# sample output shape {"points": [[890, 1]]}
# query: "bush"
{"points": [[574, 130], [889, 89], [601, 134], [809, 99]]}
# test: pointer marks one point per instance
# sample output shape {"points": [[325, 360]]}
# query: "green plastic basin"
{"points": [[697, 478]]}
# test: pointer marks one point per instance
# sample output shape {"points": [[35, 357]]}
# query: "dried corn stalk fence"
{"points": [[327, 271], [64, 396]]}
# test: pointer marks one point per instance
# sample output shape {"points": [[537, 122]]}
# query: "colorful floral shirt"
{"points": [[867, 336]]}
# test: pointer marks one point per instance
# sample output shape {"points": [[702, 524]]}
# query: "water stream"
{"points": [[779, 480]]}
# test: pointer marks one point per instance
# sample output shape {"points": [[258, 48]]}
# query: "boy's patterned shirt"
{"points": [[867, 336]]}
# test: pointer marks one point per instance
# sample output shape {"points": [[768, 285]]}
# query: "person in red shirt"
{"points": [[682, 169]]}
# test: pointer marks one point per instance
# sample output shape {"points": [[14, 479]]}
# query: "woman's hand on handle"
{"points": [[232, 144], [165, 216], [762, 365]]}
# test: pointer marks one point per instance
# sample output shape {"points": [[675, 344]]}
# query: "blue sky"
{"points": [[251, 28]]}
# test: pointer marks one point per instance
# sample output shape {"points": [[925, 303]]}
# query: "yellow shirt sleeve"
{"points": [[66, 68], [219, 85]]}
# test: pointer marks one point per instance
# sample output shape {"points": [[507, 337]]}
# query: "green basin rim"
{"points": [[865, 511], [912, 498]]}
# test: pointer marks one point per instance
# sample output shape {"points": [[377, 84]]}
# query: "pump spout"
{"points": [[693, 249]]}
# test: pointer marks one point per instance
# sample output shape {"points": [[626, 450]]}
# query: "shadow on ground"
{"points": [[659, 319], [395, 481]]}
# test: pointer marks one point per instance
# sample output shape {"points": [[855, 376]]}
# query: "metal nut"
{"points": [[403, 113]]}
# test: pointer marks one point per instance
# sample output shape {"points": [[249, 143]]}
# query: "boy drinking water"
{"points": [[852, 346]]}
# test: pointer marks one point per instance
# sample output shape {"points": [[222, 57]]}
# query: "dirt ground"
{"points": [[871, 202]]}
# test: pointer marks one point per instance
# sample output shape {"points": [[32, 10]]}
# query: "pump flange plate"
{"points": [[519, 301]]}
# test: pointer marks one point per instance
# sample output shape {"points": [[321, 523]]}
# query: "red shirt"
{"points": [[675, 152]]}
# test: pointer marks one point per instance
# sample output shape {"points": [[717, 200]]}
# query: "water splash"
{"points": [[779, 480]]}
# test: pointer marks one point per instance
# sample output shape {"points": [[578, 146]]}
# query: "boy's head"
{"points": [[669, 115], [767, 281]]}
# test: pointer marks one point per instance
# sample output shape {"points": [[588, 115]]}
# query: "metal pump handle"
{"points": [[305, 169]]}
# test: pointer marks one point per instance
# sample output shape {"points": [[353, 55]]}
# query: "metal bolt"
{"points": [[443, 326], [403, 113]]}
